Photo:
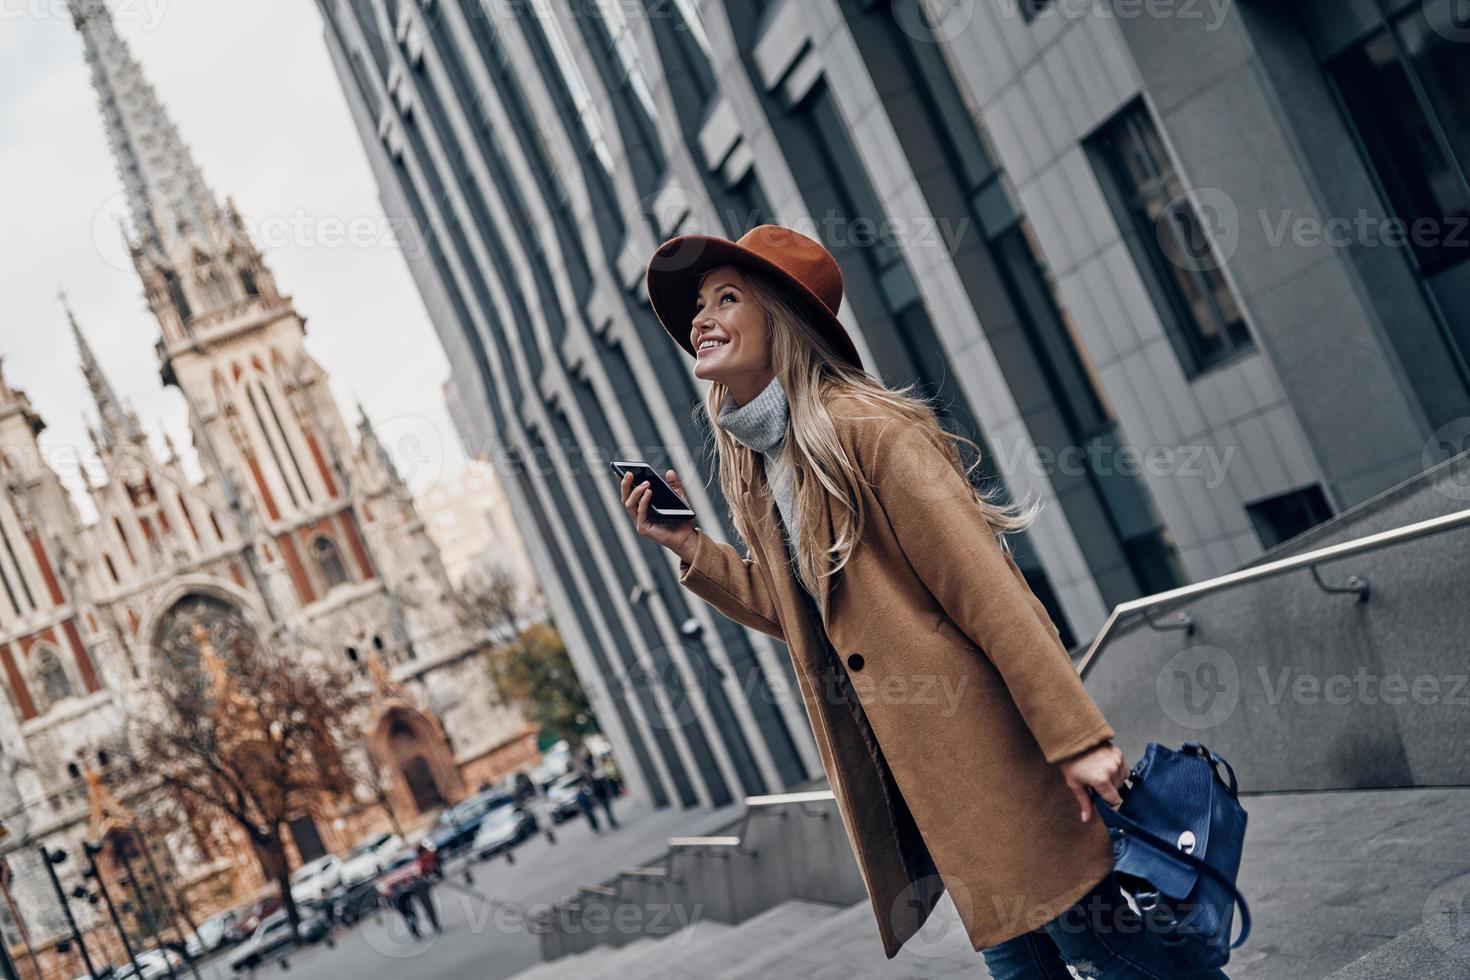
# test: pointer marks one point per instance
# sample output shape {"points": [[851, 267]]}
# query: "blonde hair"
{"points": [[812, 371]]}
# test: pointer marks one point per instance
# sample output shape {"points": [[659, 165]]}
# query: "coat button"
{"points": [[855, 661]]}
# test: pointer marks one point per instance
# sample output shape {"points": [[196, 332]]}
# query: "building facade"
{"points": [[298, 533], [1086, 229], [471, 522]]}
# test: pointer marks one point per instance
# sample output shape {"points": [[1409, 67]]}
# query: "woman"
{"points": [[956, 736]]}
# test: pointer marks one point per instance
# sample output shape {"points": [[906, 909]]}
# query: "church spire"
{"points": [[171, 206], [117, 424], [193, 254]]}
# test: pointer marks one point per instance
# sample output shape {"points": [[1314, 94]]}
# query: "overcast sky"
{"points": [[252, 90]]}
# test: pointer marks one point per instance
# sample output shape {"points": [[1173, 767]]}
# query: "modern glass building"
{"points": [[1146, 260]]}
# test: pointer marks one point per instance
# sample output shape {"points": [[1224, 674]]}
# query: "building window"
{"points": [[1283, 517], [328, 561], [1407, 89], [1175, 253], [52, 681], [751, 206]]}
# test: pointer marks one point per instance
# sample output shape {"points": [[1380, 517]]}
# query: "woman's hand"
{"points": [[1100, 768], [676, 537]]}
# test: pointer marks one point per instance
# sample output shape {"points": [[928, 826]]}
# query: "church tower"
{"points": [[265, 423]]}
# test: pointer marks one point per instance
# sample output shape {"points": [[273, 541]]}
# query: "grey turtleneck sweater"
{"points": [[761, 425]]}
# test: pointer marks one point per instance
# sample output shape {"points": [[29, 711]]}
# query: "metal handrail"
{"points": [[1151, 603], [812, 796]]}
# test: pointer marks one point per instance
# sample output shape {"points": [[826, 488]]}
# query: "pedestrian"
{"points": [[923, 657], [428, 862], [422, 885], [602, 793], [401, 898], [614, 777], [525, 789], [586, 804]]}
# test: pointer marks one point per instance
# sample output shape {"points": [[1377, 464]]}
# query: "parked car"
{"points": [[457, 826], [152, 963], [553, 764], [315, 880], [365, 861], [562, 798], [213, 934], [353, 902], [503, 829], [274, 936], [251, 918]]}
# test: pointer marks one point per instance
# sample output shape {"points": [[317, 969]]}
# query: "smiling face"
{"points": [[731, 334]]}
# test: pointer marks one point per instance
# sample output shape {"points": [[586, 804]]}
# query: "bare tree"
{"points": [[493, 600], [252, 735]]}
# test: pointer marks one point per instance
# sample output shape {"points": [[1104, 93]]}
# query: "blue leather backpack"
{"points": [[1177, 843]]}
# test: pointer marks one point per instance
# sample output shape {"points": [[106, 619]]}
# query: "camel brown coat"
{"points": [[944, 771]]}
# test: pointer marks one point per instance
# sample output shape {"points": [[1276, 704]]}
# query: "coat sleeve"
{"points": [[955, 553], [733, 585]]}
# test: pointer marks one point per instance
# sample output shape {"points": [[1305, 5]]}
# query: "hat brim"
{"points": [[673, 286]]}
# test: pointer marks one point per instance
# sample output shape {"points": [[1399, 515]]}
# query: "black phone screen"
{"points": [[664, 498]]}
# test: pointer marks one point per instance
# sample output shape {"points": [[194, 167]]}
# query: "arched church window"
{"points": [[328, 560], [177, 639], [51, 678]]}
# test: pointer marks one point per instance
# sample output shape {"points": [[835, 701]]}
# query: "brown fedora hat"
{"points": [[807, 270]]}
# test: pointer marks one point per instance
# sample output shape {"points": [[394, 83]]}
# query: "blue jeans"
{"points": [[1100, 936]]}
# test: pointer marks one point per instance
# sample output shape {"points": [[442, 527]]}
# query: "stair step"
{"points": [[565, 966], [846, 945], [709, 953], [634, 959]]}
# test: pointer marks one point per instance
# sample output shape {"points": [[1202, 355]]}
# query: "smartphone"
{"points": [[666, 505]]}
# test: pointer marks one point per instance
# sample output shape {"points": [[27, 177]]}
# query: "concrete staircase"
{"points": [[796, 940]]}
